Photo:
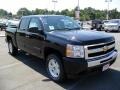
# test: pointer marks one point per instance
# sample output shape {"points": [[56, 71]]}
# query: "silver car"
{"points": [[112, 25]]}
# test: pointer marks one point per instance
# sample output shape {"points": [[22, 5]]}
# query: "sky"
{"points": [[14, 5]]}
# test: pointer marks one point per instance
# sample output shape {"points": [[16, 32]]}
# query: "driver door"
{"points": [[35, 38]]}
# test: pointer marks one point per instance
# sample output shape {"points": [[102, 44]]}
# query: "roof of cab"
{"points": [[115, 19], [40, 16]]}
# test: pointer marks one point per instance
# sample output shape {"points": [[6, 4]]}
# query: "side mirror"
{"points": [[35, 30]]}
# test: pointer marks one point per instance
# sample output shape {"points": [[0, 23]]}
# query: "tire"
{"points": [[106, 30], [97, 29], [119, 29], [91, 28], [54, 68], [12, 49]]}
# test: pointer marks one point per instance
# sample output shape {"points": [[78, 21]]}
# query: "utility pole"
{"points": [[108, 7], [77, 11], [78, 3], [54, 1]]}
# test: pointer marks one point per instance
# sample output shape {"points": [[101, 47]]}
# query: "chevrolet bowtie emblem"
{"points": [[105, 48]]}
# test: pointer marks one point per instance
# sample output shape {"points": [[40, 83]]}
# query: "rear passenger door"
{"points": [[21, 33]]}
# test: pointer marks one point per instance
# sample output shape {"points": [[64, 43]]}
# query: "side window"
{"points": [[35, 23], [24, 23]]}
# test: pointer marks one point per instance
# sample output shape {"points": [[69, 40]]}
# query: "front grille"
{"points": [[92, 51], [112, 26]]}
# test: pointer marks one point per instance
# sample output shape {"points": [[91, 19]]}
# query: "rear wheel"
{"points": [[55, 68], [106, 30], [91, 28], [12, 49], [119, 29], [98, 29]]}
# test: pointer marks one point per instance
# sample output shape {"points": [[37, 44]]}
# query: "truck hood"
{"points": [[83, 37], [111, 24]]}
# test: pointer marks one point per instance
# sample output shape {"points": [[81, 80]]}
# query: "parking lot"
{"points": [[26, 72]]}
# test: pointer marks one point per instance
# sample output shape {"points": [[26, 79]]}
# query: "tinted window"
{"points": [[24, 23], [35, 22], [114, 21]]}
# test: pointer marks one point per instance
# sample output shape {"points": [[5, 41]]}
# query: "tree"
{"points": [[40, 11], [23, 12], [114, 14], [66, 12], [85, 14], [3, 13], [10, 15]]}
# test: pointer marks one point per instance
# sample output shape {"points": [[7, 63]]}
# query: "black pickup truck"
{"points": [[59, 41]]}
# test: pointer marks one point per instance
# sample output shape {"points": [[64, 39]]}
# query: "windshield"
{"points": [[105, 21], [60, 23], [114, 21]]}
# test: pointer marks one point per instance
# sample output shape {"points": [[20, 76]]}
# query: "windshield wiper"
{"points": [[62, 29], [78, 28], [56, 30], [67, 28]]}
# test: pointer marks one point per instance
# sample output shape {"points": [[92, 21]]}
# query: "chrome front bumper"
{"points": [[103, 60], [112, 29]]}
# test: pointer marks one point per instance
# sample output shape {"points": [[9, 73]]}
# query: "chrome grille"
{"points": [[97, 50]]}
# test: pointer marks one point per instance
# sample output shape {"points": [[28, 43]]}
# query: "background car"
{"points": [[12, 24], [103, 23], [80, 23], [112, 25], [86, 25], [96, 24]]}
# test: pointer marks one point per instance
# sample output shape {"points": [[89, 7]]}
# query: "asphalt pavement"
{"points": [[2, 33], [26, 72]]}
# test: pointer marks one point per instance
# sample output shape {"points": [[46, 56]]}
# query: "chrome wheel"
{"points": [[10, 47], [54, 68]]}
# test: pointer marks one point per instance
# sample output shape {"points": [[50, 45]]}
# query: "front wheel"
{"points": [[55, 68], [12, 49], [106, 30]]}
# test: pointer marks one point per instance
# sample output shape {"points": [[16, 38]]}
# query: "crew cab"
{"points": [[66, 49]]}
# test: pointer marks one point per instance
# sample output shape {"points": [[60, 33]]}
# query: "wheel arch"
{"points": [[49, 50], [8, 38]]}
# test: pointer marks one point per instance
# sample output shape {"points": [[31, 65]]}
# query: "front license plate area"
{"points": [[105, 67]]}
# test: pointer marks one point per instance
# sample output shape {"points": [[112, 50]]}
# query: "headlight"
{"points": [[75, 51], [115, 26]]}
